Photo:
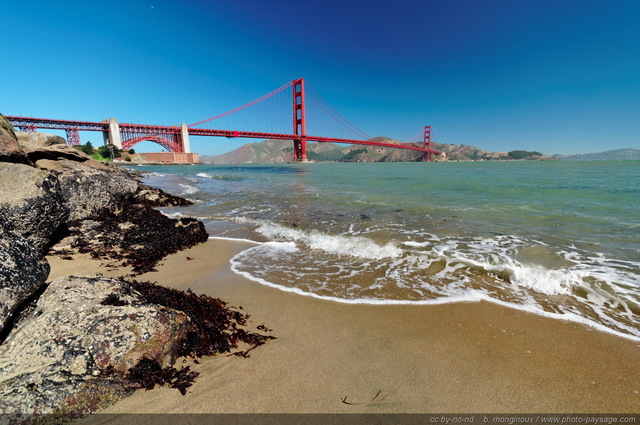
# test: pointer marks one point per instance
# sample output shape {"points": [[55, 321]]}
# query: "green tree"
{"points": [[109, 151], [522, 154], [87, 148], [131, 151]]}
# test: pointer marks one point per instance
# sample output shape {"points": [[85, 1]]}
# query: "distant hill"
{"points": [[279, 151], [612, 155]]}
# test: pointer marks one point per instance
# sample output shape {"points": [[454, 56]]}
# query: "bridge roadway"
{"points": [[174, 138], [256, 135]]}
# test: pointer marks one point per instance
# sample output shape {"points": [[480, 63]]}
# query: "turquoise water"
{"points": [[561, 239]]}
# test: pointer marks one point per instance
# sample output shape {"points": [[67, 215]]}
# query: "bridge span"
{"points": [[265, 112]]}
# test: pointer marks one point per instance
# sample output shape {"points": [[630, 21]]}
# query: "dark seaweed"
{"points": [[215, 329], [133, 233], [137, 235], [148, 373], [113, 299], [215, 326]]}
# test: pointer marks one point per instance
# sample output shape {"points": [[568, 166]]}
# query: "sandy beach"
{"points": [[452, 358]]}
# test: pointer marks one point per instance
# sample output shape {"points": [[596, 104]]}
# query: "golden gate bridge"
{"points": [[294, 112]]}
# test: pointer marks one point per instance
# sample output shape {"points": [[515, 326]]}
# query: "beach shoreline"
{"points": [[470, 357]]}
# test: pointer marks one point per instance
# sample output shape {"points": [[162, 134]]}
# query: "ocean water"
{"points": [[560, 239]]}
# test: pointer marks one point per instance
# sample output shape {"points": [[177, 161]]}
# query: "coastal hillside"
{"points": [[611, 155], [280, 151]]}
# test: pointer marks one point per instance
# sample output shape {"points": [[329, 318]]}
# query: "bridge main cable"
{"points": [[253, 102], [337, 116]]}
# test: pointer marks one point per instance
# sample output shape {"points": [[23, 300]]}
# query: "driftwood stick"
{"points": [[344, 400]]}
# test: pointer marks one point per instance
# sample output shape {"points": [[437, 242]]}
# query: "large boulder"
{"points": [[89, 187], [68, 355], [30, 140], [56, 152], [31, 203], [23, 271], [9, 149], [42, 146]]}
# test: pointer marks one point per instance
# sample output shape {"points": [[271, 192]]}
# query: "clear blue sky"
{"points": [[556, 76]]}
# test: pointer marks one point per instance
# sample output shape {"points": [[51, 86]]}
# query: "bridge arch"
{"points": [[169, 145]]}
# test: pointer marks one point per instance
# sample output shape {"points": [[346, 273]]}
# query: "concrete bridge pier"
{"points": [[113, 136], [185, 138]]}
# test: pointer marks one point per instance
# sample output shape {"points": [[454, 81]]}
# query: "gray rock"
{"points": [[158, 198], [31, 203], [30, 140], [23, 271], [9, 149], [88, 188], [58, 358], [56, 152]]}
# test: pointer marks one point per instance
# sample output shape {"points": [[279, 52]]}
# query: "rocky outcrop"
{"points": [[42, 146], [81, 333], [81, 343], [32, 203], [89, 341], [23, 271], [10, 151], [158, 198], [31, 140], [55, 153], [135, 235], [88, 189]]}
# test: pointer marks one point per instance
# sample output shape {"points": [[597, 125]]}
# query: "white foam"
{"points": [[415, 244], [188, 189], [466, 295], [236, 262], [276, 248], [235, 240], [543, 280], [354, 246], [217, 176], [173, 214], [155, 174], [495, 255], [607, 305]]}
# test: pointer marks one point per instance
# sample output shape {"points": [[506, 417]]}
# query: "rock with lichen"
{"points": [[10, 150], [70, 351], [32, 140], [57, 152], [87, 189], [31, 203], [23, 271]]}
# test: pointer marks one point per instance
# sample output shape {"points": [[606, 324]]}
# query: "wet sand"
{"points": [[451, 358]]}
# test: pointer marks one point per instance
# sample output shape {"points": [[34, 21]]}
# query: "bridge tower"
{"points": [[426, 156], [73, 136], [299, 122]]}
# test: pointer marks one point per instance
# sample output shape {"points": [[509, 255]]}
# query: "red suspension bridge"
{"points": [[268, 117]]}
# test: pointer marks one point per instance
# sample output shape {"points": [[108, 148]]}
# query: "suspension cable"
{"points": [[260, 99]]}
